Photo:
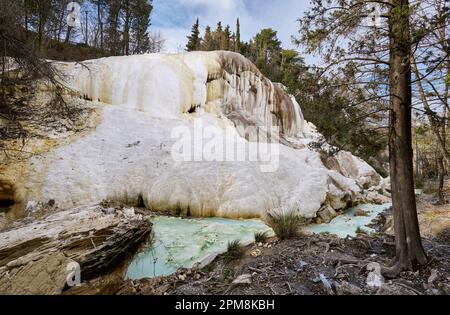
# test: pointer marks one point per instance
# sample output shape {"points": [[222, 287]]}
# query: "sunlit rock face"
{"points": [[222, 83], [146, 100]]}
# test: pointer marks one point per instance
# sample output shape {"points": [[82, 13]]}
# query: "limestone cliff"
{"points": [[147, 105]]}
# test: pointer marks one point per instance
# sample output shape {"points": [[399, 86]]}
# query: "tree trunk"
{"points": [[441, 172], [441, 162], [100, 23], [409, 249], [26, 22], [417, 158], [40, 30], [61, 21], [69, 30], [126, 32]]}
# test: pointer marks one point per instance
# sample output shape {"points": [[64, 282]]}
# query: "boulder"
{"points": [[327, 213]]}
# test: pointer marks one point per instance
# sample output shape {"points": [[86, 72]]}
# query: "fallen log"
{"points": [[43, 256]]}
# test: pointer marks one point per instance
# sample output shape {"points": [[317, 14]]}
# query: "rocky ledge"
{"points": [[44, 256]]}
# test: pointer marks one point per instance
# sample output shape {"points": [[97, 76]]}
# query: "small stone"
{"points": [[374, 279], [197, 276], [433, 277], [31, 206], [269, 246], [182, 277], [260, 244], [255, 253], [345, 288], [301, 265], [361, 213], [326, 283], [243, 279], [316, 280], [129, 213]]}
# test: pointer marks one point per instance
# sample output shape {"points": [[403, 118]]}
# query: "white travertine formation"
{"points": [[128, 156]]}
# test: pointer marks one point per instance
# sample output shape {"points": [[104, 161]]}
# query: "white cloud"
{"points": [[174, 18]]}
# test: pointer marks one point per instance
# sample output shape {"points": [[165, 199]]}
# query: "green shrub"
{"points": [[285, 225], [261, 237], [235, 250], [360, 230], [419, 183], [227, 274]]}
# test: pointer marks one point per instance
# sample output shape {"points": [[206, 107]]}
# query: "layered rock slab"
{"points": [[42, 256]]}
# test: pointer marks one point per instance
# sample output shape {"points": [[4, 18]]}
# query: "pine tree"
{"points": [[376, 53], [208, 41], [217, 36], [141, 12], [113, 27], [225, 39], [238, 45], [194, 39], [233, 42], [127, 27]]}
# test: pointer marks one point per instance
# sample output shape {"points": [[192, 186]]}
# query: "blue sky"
{"points": [[174, 18]]}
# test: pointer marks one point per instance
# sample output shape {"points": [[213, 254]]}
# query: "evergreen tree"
{"points": [[208, 41], [226, 39], [238, 45], [140, 38], [194, 40], [127, 27], [266, 53], [113, 32], [233, 42], [218, 36], [376, 54]]}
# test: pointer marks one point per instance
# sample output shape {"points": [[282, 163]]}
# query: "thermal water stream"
{"points": [[348, 223], [182, 242]]}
